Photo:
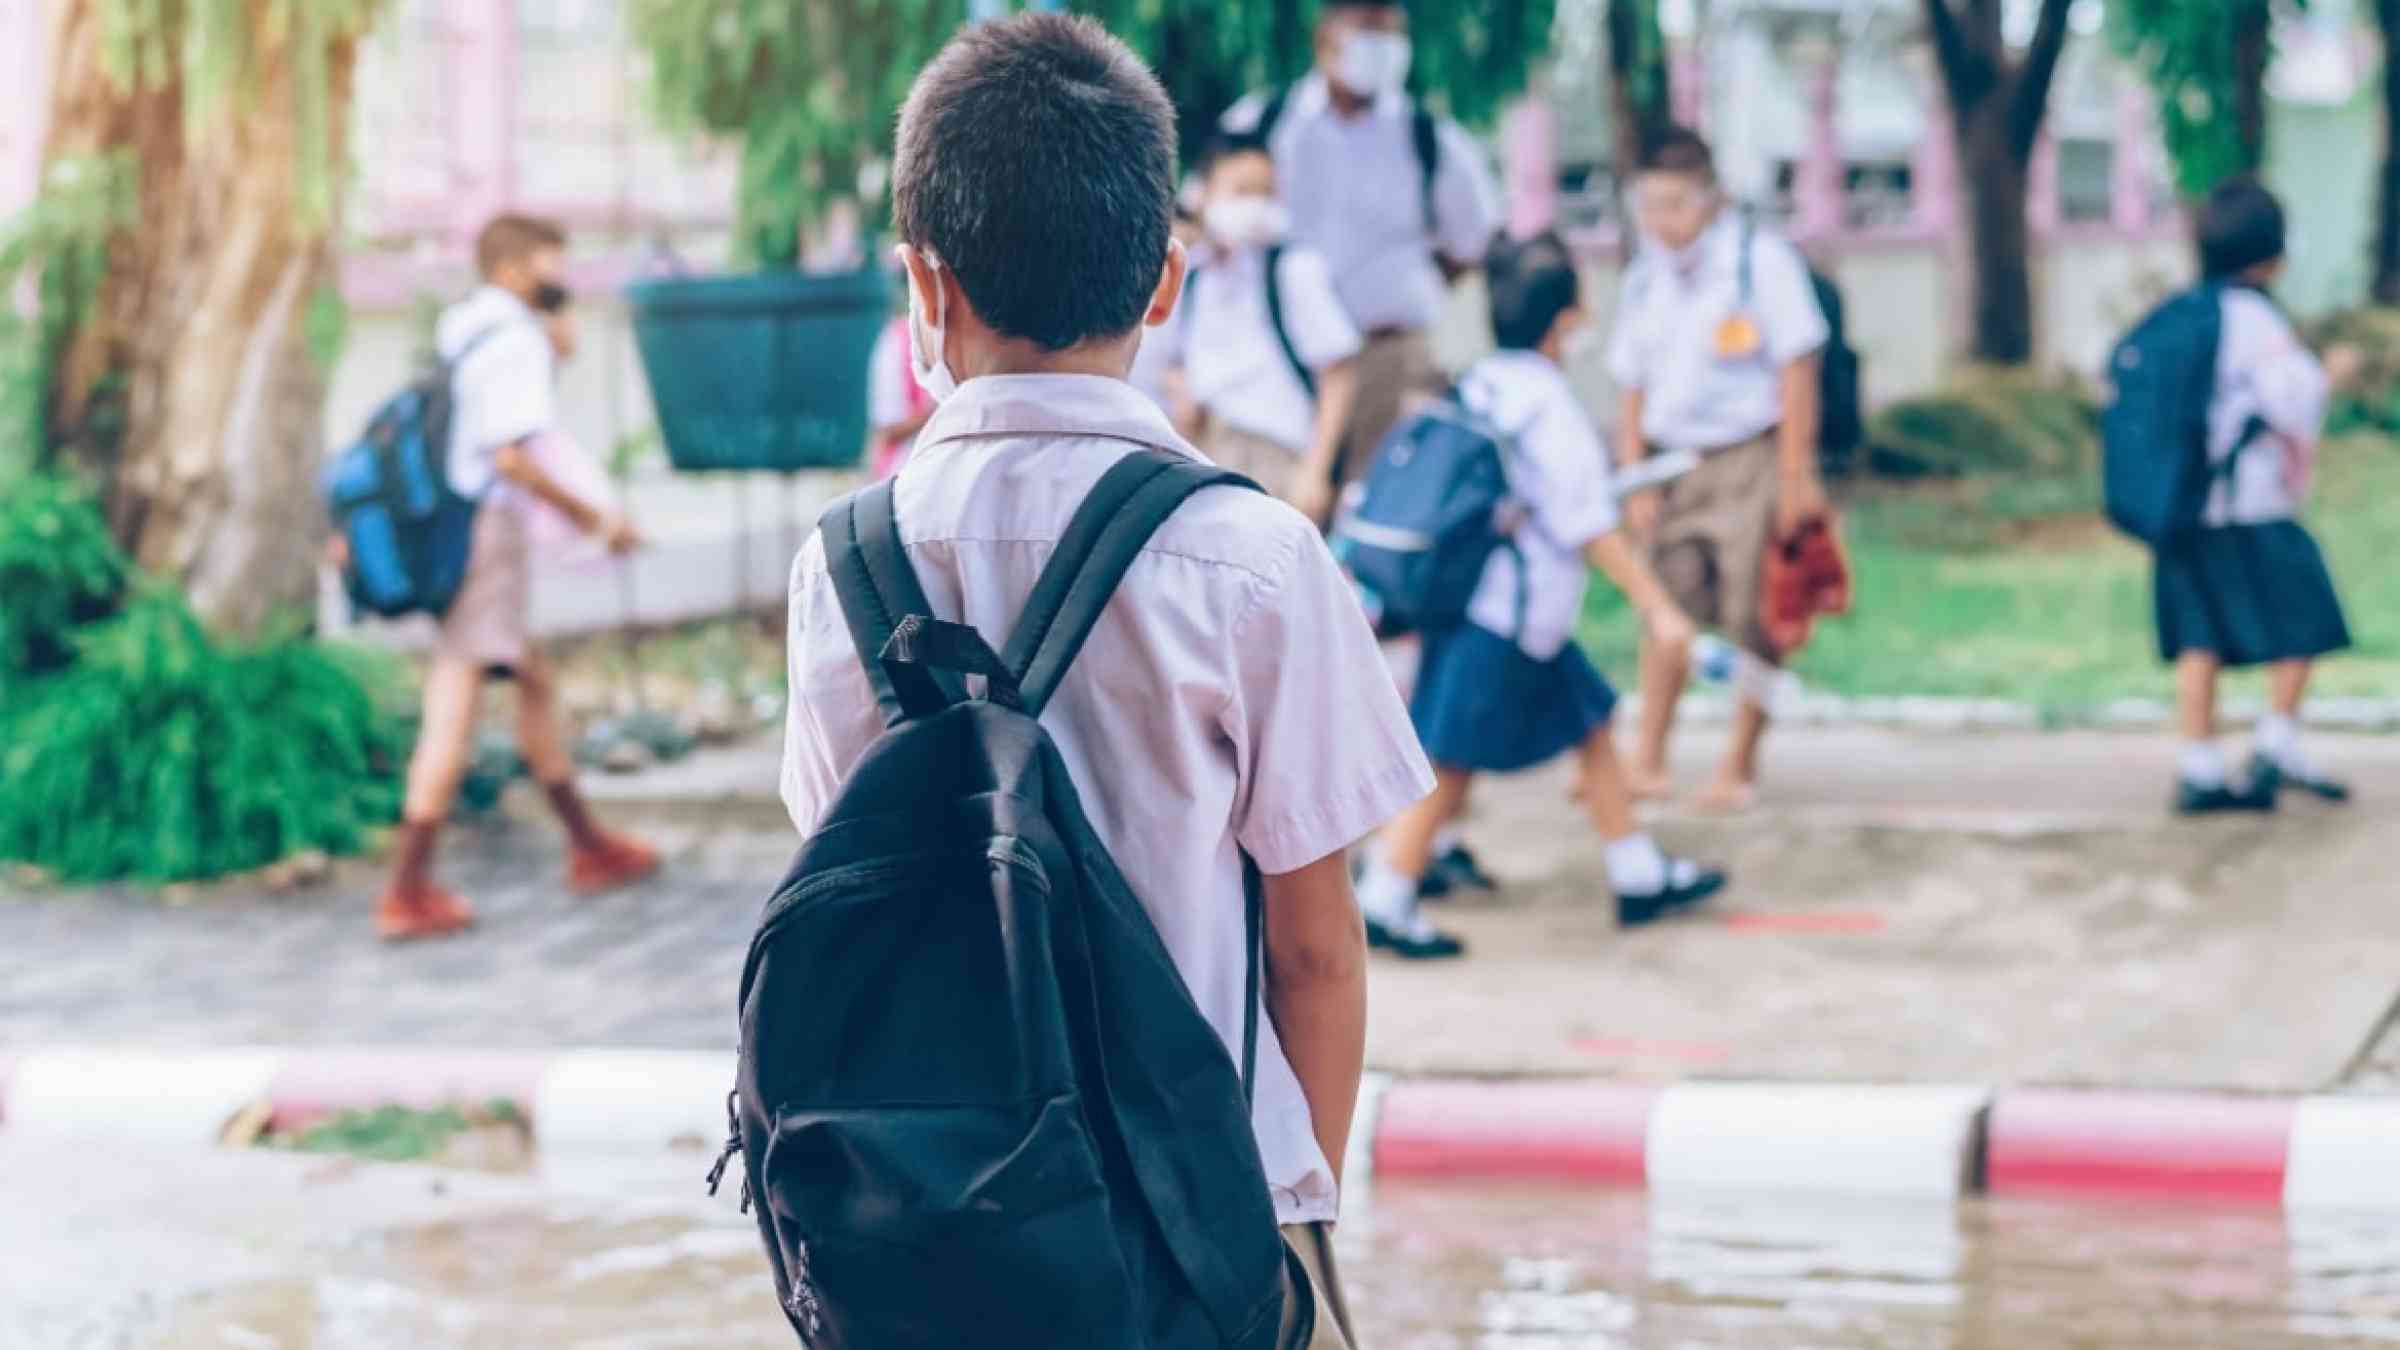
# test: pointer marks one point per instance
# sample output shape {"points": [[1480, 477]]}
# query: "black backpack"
{"points": [[1842, 425], [976, 1104], [2154, 465], [1283, 333]]}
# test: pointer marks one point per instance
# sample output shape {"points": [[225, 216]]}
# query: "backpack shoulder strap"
{"points": [[1425, 133], [878, 590], [1283, 333], [1271, 116], [1743, 268], [1109, 531]]}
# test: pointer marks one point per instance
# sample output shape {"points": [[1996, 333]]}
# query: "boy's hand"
{"points": [[337, 552], [1642, 511], [1670, 627], [1800, 500], [617, 533], [1311, 493], [2344, 363]]}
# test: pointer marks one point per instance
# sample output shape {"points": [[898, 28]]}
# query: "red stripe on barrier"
{"points": [[1552, 1131], [309, 1086], [2225, 1148]]}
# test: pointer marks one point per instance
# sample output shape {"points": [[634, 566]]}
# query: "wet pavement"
{"points": [[252, 1251]]}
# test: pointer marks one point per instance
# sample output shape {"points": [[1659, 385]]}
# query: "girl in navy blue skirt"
{"points": [[2250, 587], [1509, 689]]}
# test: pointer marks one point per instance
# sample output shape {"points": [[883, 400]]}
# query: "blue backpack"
{"points": [[1436, 505], [390, 497], [2155, 474]]}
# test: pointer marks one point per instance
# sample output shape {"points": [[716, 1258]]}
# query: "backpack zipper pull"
{"points": [[733, 1145]]}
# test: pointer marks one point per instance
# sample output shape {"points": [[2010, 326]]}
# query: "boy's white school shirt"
{"points": [[1356, 191], [504, 391], [1232, 696], [1224, 339], [2264, 371], [1665, 341], [1559, 467]]}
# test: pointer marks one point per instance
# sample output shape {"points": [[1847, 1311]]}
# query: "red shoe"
{"points": [[427, 912], [613, 861]]}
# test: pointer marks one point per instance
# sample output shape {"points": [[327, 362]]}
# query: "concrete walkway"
{"points": [[2006, 908]]}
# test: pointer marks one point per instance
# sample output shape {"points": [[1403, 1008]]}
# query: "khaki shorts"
{"points": [[1712, 541], [1313, 1244], [1265, 462], [490, 620], [1395, 370]]}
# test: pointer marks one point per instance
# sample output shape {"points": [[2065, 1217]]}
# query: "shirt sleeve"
{"points": [[1572, 502], [1325, 749], [512, 396], [2284, 375], [1466, 202], [1244, 114], [1319, 326], [823, 673], [887, 381], [1788, 311], [1627, 368]]}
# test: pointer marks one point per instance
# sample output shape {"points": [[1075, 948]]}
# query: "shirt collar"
{"points": [[1053, 405], [1706, 253], [1312, 97]]}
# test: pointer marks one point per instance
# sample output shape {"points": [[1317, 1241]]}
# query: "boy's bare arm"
{"points": [[1337, 394], [1617, 560], [1642, 509], [1317, 992], [1802, 494], [516, 464]]}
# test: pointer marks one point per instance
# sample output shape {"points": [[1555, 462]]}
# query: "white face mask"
{"points": [[1246, 222], [1373, 64], [925, 340]]}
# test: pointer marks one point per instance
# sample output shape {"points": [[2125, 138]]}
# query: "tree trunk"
{"points": [[191, 389], [2387, 188], [1637, 99], [1999, 239], [2252, 23]]}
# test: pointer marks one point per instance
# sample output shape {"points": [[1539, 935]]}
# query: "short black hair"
{"points": [[2241, 225], [1531, 283], [1674, 149], [1227, 144], [1036, 160]]}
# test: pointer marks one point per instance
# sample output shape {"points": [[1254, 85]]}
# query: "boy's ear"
{"points": [[923, 278], [1170, 285]]}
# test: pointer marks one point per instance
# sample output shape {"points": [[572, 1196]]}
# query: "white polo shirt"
{"points": [[1231, 698], [2264, 371], [1356, 192], [504, 391], [1669, 314], [1560, 469], [1224, 340]]}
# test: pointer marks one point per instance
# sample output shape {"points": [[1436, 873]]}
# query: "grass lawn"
{"points": [[2017, 590]]}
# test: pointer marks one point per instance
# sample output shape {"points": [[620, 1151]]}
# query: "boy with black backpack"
{"points": [[1260, 342], [2211, 440], [1503, 687], [1081, 985]]}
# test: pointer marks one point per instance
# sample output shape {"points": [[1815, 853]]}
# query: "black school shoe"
{"points": [[1420, 941], [1455, 871], [2272, 778], [1635, 910], [2255, 796]]}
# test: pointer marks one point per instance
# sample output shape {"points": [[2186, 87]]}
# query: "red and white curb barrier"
{"points": [[1698, 1138]]}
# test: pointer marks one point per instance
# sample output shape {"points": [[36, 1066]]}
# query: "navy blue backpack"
{"points": [[1435, 506], [390, 497], [2155, 474]]}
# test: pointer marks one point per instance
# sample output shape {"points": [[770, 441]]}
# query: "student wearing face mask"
{"points": [[1399, 203], [1260, 345]]}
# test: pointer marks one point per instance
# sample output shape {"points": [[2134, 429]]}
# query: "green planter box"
{"points": [[764, 371]]}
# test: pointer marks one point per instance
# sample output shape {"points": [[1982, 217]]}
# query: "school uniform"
{"points": [[1356, 191], [503, 394], [1705, 333], [2251, 585], [1261, 420], [1231, 699], [1509, 689]]}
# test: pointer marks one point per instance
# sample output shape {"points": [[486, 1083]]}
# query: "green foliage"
{"points": [[2374, 405], [810, 86], [159, 754], [396, 1133], [58, 569], [1990, 423], [2188, 49], [59, 245]]}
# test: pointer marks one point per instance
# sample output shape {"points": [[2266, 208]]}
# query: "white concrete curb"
{"points": [[2344, 1154], [643, 1100], [1898, 1142], [177, 1098]]}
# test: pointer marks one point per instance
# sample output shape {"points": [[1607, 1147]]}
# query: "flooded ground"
{"points": [[235, 1251]]}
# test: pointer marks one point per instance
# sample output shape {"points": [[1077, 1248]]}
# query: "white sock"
{"points": [[1386, 895], [1636, 866], [2278, 740], [2202, 764], [1447, 839]]}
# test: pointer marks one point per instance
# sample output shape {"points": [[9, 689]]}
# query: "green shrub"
{"points": [[58, 569], [158, 754], [1989, 424]]}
